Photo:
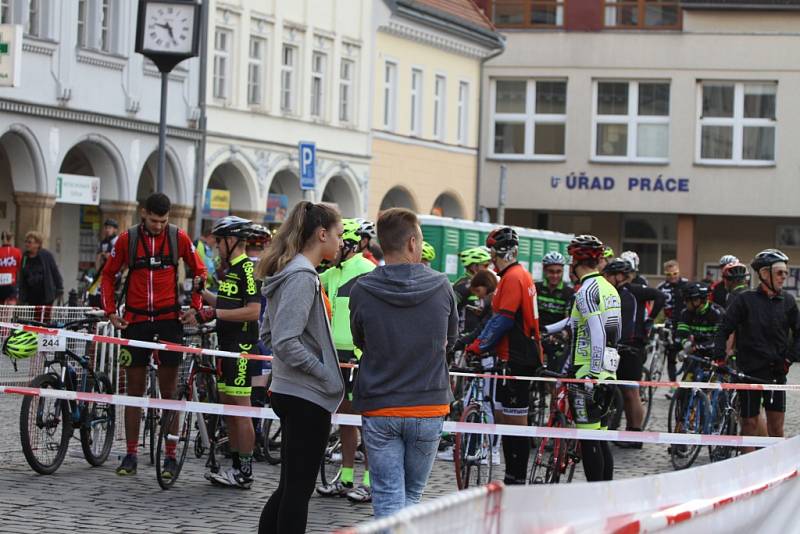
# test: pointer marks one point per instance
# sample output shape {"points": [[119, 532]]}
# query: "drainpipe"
{"points": [[481, 149], [200, 164]]}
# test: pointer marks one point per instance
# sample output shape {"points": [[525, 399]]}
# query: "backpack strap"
{"points": [[172, 235], [133, 244]]}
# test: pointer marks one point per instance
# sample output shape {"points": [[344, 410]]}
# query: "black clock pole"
{"points": [[162, 135]]}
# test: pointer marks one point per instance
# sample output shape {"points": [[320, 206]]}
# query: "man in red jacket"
{"points": [[10, 262], [151, 252]]}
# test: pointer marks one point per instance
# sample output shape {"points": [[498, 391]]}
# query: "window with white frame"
{"points": [[346, 75], [439, 95], [106, 25], [83, 27], [416, 102], [653, 237], [737, 123], [255, 71], [463, 108], [288, 78], [631, 121], [35, 18], [222, 63], [389, 95], [529, 119], [318, 64], [6, 11]]}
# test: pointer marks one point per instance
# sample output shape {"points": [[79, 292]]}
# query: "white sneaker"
{"points": [[233, 478], [445, 455]]}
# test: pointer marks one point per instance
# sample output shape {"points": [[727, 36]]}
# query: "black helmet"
{"points": [[734, 271], [232, 226], [768, 257], [618, 266], [111, 222], [695, 291], [502, 240], [585, 247]]}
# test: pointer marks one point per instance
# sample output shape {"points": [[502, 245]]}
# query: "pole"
{"points": [[162, 135], [200, 165], [501, 201]]}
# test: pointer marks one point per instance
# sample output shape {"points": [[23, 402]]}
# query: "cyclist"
{"points": [[672, 286], [338, 282], [509, 334], [150, 251], [719, 292], [205, 247], [699, 320], [737, 279], [554, 298], [633, 259], [10, 262], [428, 253], [763, 319], [595, 319], [470, 307], [110, 231], [368, 234]]}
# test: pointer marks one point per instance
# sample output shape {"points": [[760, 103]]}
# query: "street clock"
{"points": [[168, 32]]}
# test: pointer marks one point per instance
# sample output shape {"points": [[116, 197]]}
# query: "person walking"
{"points": [[40, 282], [10, 262], [307, 385], [403, 317]]}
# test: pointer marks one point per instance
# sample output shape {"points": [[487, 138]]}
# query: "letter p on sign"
{"points": [[308, 165]]}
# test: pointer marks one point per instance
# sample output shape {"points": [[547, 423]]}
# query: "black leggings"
{"points": [[304, 433], [598, 462]]}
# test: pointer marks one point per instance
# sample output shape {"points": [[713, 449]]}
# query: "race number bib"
{"points": [[5, 279], [52, 343]]}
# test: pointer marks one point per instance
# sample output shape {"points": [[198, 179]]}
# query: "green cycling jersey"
{"points": [[596, 324], [338, 282]]}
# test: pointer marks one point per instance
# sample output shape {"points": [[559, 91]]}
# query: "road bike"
{"points": [[556, 457], [472, 452]]}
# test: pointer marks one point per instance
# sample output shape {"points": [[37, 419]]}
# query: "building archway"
{"points": [[231, 177], [173, 179], [22, 172], [339, 191], [398, 197], [286, 185], [448, 205]]}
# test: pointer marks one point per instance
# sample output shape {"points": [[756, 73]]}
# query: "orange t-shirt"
{"points": [[433, 410], [327, 302], [515, 297]]}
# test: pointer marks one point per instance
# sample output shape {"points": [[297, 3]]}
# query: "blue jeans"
{"points": [[401, 451]]}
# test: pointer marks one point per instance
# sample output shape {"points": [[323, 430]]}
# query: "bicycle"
{"points": [[472, 453], [270, 432], [658, 344], [151, 416], [46, 424]]}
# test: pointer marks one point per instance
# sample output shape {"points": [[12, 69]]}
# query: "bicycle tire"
{"points": [[656, 370], [55, 418], [94, 415], [329, 470], [538, 408], [646, 395], [471, 450], [729, 426], [271, 445], [184, 438], [696, 412], [616, 408], [550, 455]]}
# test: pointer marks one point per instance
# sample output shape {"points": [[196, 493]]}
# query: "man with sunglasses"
{"points": [[767, 326], [672, 287], [554, 298]]}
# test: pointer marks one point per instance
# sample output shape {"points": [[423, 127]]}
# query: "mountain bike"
{"points": [[472, 453], [47, 424]]}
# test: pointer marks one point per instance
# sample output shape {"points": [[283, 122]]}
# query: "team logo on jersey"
{"points": [[228, 288], [611, 301], [10, 261]]}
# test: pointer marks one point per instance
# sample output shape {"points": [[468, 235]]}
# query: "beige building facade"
{"points": [[674, 143]]}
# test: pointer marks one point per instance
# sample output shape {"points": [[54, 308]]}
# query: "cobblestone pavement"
{"points": [[79, 498]]}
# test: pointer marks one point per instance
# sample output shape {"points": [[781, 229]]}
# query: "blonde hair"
{"points": [[36, 236], [293, 235], [671, 263]]}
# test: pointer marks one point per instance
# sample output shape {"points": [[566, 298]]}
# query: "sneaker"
{"points": [[170, 468], [232, 478], [360, 494], [336, 489], [128, 465], [446, 455]]}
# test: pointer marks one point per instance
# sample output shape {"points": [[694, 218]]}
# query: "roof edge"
{"points": [[445, 21]]}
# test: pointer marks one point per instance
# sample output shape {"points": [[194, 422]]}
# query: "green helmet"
{"points": [[428, 252], [21, 345], [352, 231], [608, 253], [474, 256]]}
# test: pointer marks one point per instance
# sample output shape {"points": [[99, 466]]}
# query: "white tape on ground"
{"points": [[449, 426]]}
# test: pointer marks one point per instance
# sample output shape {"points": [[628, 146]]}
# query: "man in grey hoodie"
{"points": [[403, 317]]}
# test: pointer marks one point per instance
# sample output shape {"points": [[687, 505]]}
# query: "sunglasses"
{"points": [[781, 273], [672, 274]]}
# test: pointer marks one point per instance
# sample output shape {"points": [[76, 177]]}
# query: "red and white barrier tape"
{"points": [[449, 426], [174, 347]]}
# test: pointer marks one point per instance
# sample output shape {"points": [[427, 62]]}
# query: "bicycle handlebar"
{"points": [[728, 369]]}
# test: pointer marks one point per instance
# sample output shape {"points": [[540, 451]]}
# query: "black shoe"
{"points": [[128, 465], [513, 481], [170, 468]]}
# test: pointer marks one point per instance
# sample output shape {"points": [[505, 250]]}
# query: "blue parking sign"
{"points": [[308, 165]]}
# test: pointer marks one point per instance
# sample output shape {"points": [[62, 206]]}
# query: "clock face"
{"points": [[168, 28]]}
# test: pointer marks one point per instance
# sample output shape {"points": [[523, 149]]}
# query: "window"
{"points": [[653, 238], [255, 71], [416, 102], [34, 18], [642, 14], [318, 61], [463, 106], [528, 14], [288, 81], [737, 123], [389, 95], [439, 95], [105, 25], [83, 14], [6, 12], [222, 61], [529, 119], [631, 121], [346, 73]]}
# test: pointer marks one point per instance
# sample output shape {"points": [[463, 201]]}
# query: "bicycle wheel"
{"points": [[728, 425], [538, 407], [550, 455], [656, 370], [97, 424], [646, 396], [173, 421], [616, 408], [331, 467], [693, 419], [271, 430], [45, 426], [472, 453]]}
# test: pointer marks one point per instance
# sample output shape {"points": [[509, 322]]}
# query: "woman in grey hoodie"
{"points": [[306, 382]]}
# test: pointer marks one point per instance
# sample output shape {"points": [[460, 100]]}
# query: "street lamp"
{"points": [[167, 32]]}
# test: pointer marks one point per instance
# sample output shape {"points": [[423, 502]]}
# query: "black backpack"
{"points": [[153, 262]]}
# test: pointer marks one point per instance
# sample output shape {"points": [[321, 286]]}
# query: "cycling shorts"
{"points": [[237, 374], [512, 397], [631, 363], [349, 374], [750, 401], [590, 405], [170, 330]]}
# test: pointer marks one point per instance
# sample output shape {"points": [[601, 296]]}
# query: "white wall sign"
{"points": [[10, 54], [77, 189]]}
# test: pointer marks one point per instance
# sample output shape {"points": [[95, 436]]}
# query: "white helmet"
{"points": [[727, 259], [632, 258]]}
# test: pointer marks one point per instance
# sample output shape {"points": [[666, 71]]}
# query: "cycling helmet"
{"points": [[367, 228], [608, 253], [352, 231], [258, 235], [428, 252], [231, 226], [734, 271], [632, 257], [768, 257], [553, 258], [695, 291], [502, 240], [585, 247], [474, 256], [726, 259], [21, 345], [111, 222], [618, 266]]}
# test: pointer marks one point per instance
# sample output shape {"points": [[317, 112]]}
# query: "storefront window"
{"points": [[653, 238]]}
